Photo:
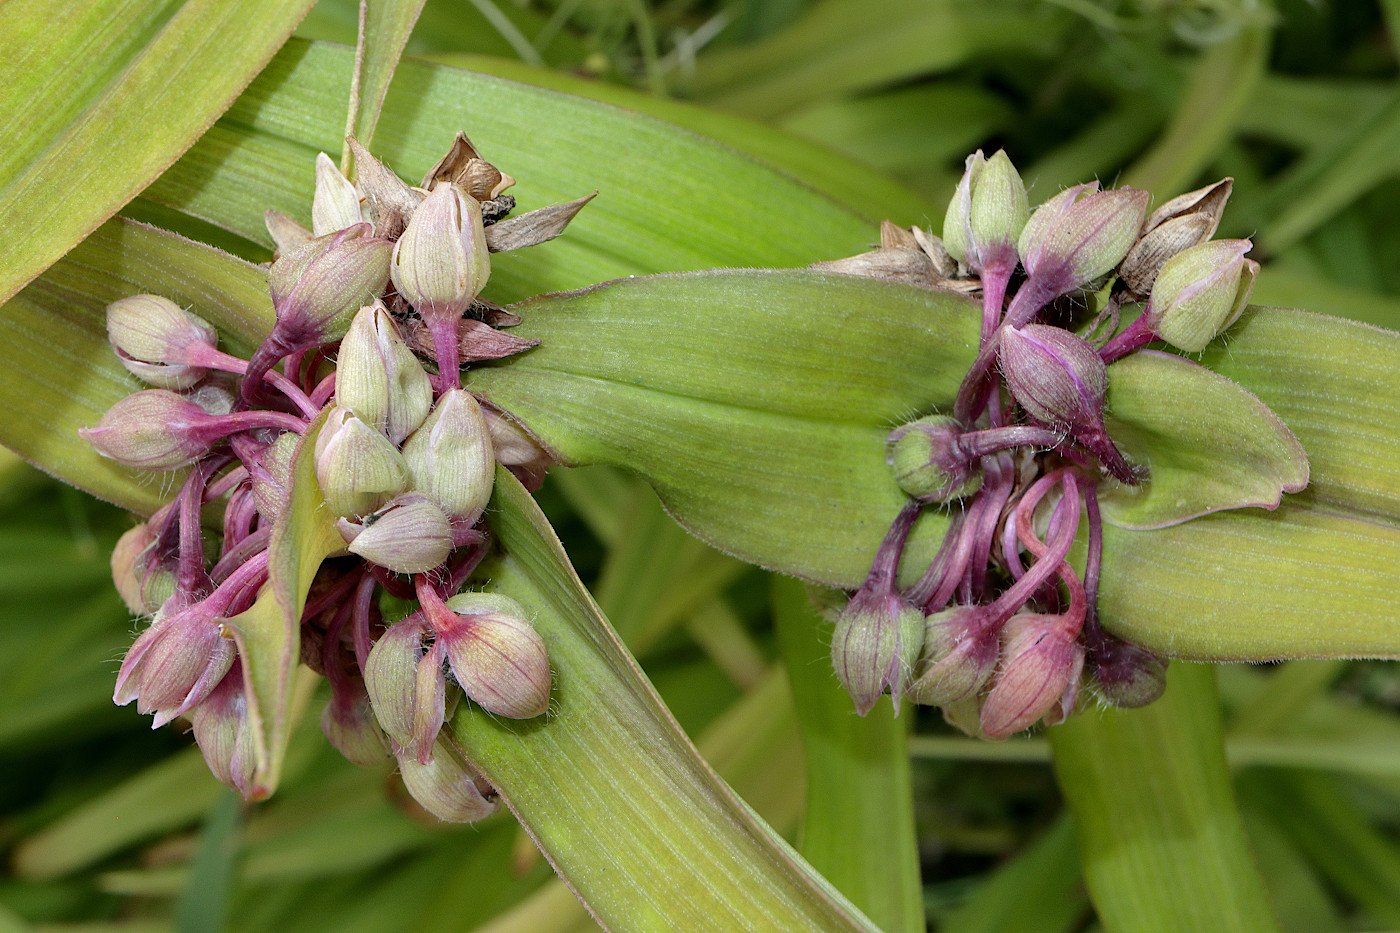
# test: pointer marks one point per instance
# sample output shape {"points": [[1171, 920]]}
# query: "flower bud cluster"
{"points": [[1000, 630], [404, 461]]}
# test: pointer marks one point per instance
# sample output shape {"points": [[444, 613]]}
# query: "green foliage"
{"points": [[864, 115]]}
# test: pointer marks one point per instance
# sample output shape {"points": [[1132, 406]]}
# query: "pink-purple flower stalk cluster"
{"points": [[1000, 630], [404, 461]]}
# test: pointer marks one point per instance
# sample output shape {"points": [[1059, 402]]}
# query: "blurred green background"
{"points": [[106, 825]]}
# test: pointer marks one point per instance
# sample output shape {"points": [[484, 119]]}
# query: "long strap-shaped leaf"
{"points": [[1160, 836], [100, 96], [608, 785]]}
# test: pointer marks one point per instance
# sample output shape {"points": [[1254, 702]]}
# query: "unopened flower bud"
{"points": [[154, 339], [336, 204], [271, 477], [349, 725], [1054, 375], [378, 377], [357, 467], [129, 568], [1179, 224], [317, 288], [1060, 381], [958, 658], [408, 535], [1200, 292], [497, 656], [1041, 661], [877, 641], [927, 462], [1079, 235], [445, 786], [1128, 676], [440, 263], [174, 664], [225, 735], [154, 430], [987, 214], [451, 458], [406, 686]]}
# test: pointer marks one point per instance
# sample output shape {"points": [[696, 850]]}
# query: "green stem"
{"points": [[1160, 835], [859, 827]]}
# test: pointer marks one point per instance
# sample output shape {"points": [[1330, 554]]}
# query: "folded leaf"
{"points": [[269, 633], [1208, 443], [608, 763], [757, 403], [87, 124]]}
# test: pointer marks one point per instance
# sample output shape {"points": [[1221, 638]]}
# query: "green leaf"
{"points": [[608, 763], [1209, 444], [1160, 837], [669, 199], [101, 96], [859, 827], [756, 403], [269, 633], [842, 179], [59, 372], [1315, 578], [387, 24]]}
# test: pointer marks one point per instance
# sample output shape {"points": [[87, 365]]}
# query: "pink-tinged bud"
{"points": [[409, 535], [1128, 676], [154, 430], [272, 477], [497, 656], [451, 459], [378, 377], [987, 214], [1041, 660], [406, 686], [958, 659], [336, 204], [1079, 235], [1060, 381], [349, 724], [1057, 377], [129, 568], [317, 288], [174, 664], [875, 647], [1200, 292], [446, 786], [225, 735], [927, 461], [159, 342], [357, 467], [440, 263]]}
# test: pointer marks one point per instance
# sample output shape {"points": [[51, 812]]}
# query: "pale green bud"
{"points": [[378, 377], [451, 458], [409, 535], [158, 341], [987, 213], [441, 263], [1079, 235], [1200, 292], [317, 288], [446, 786], [357, 467], [877, 640], [337, 203], [927, 462]]}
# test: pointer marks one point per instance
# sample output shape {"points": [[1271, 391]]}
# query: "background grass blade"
{"points": [[1160, 836]]}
